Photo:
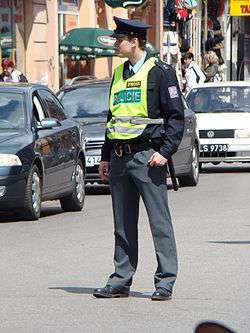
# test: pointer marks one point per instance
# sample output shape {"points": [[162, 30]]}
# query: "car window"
{"points": [[220, 99], [38, 109], [12, 111], [53, 106], [86, 102]]}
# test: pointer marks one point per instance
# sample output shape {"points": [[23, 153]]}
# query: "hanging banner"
{"points": [[125, 3], [239, 8]]}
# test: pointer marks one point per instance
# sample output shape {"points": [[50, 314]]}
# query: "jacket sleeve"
{"points": [[172, 110], [200, 73], [108, 145]]}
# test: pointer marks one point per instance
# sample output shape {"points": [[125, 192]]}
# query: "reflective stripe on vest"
{"points": [[139, 120], [128, 100]]}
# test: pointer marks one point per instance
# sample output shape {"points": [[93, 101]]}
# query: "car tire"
{"points": [[75, 201], [33, 195], [192, 178]]}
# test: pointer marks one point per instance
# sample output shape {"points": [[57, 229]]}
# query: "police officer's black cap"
{"points": [[132, 28]]}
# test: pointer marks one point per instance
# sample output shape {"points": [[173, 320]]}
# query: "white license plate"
{"points": [[220, 148], [92, 160]]}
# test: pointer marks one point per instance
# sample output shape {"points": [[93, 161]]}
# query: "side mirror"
{"points": [[48, 123]]}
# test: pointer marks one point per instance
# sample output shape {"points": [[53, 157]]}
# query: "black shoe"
{"points": [[161, 294], [110, 292]]}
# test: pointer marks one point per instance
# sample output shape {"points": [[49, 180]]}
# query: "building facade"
{"points": [[29, 36], [30, 31]]}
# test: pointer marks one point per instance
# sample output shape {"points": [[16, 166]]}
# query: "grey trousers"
{"points": [[130, 179]]}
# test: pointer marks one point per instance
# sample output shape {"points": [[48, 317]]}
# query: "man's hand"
{"points": [[104, 170], [157, 160]]}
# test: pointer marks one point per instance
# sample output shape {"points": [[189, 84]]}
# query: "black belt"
{"points": [[132, 148]]}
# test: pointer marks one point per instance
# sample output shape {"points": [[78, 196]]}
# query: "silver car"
{"points": [[223, 117]]}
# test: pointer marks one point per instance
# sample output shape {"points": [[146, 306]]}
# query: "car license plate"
{"points": [[215, 148], [92, 160]]}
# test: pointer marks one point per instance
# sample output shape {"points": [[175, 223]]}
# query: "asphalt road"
{"points": [[48, 269]]}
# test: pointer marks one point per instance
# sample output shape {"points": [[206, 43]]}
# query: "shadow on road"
{"points": [[9, 217], [105, 190], [231, 242], [97, 190], [86, 290], [226, 168], [6, 217], [49, 211]]}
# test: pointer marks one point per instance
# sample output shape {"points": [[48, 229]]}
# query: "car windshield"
{"points": [[86, 102], [11, 111], [220, 99]]}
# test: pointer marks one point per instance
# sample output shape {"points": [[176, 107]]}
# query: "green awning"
{"points": [[125, 3], [84, 43], [88, 43]]}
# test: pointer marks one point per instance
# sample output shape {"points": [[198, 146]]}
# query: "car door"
{"points": [[66, 136], [46, 146], [182, 156]]}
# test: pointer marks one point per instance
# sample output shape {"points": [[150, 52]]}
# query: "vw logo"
{"points": [[210, 134]]}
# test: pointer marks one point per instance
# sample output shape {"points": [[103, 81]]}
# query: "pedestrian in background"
{"points": [[211, 67], [193, 74], [144, 128], [10, 74]]}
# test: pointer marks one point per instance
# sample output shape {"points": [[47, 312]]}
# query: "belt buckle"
{"points": [[127, 148], [119, 151]]}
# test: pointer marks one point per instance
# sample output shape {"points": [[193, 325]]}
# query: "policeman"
{"points": [[144, 128]]}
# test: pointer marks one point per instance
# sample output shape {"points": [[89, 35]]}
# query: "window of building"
{"points": [[11, 24], [67, 5]]}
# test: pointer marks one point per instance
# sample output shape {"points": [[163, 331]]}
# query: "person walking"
{"points": [[10, 74], [144, 128], [193, 74], [211, 68]]}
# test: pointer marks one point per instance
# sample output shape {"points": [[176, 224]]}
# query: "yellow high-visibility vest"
{"points": [[128, 98]]}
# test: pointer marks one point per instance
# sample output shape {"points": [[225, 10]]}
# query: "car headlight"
{"points": [[9, 160], [242, 134]]}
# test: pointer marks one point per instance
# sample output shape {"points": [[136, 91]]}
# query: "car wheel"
{"points": [[192, 178], [75, 200], [33, 195]]}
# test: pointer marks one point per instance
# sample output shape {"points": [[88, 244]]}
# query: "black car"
{"points": [[41, 151], [88, 103]]}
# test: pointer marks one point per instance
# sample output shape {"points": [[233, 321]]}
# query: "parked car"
{"points": [[41, 154], [223, 116], [78, 79], [88, 103]]}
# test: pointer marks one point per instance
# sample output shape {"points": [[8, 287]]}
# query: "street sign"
{"points": [[125, 3], [239, 8]]}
